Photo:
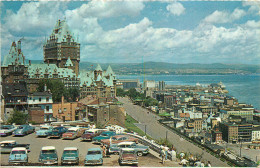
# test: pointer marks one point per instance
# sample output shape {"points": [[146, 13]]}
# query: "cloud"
{"points": [[102, 9], [176, 8], [225, 17], [254, 6]]}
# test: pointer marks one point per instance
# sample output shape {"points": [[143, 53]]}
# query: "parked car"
{"points": [[70, 155], [7, 130], [128, 156], [118, 139], [44, 131], [89, 134], [18, 155], [94, 157], [48, 155], [7, 146], [57, 132], [73, 133], [140, 149], [103, 135], [23, 130]]}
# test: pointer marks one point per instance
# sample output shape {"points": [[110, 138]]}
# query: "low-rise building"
{"points": [[256, 134], [216, 136]]}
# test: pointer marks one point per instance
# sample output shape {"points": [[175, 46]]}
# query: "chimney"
{"points": [[45, 88], [19, 46], [30, 63]]}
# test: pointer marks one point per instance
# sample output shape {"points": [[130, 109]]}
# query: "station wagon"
{"points": [[18, 155]]}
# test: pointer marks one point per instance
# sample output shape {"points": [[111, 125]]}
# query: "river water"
{"points": [[246, 88]]}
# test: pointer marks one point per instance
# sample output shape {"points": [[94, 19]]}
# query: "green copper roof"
{"points": [[14, 57], [98, 68], [107, 77], [61, 31], [51, 69], [68, 63]]}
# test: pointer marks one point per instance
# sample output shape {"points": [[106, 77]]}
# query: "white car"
{"points": [[7, 130]]}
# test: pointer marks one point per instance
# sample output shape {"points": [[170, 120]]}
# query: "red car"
{"points": [[72, 133], [89, 134], [118, 139]]}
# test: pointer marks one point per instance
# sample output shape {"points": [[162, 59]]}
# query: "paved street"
{"points": [[157, 131], [37, 143]]}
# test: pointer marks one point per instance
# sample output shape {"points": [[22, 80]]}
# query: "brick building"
{"points": [[216, 136], [64, 111], [36, 114]]}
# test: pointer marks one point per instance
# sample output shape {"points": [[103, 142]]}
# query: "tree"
{"points": [[56, 86], [72, 94], [120, 92], [18, 117]]}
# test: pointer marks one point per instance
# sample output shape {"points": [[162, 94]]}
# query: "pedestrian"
{"points": [[184, 162], [202, 164], [173, 154], [162, 155], [191, 160], [182, 155], [166, 152], [104, 151], [209, 164]]}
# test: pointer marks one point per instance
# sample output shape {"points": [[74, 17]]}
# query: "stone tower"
{"points": [[61, 46], [14, 68]]}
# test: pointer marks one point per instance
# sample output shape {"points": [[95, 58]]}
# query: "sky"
{"points": [[134, 32]]}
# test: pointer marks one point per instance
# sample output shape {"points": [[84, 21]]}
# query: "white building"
{"points": [[256, 133]]}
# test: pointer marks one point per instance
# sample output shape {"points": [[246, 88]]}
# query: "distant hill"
{"points": [[171, 68]]}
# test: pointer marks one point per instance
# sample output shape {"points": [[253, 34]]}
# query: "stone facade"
{"points": [[14, 68], [62, 46], [98, 83]]}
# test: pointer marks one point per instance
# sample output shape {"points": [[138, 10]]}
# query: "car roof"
{"points": [[48, 148], [126, 143], [127, 149], [71, 148], [46, 126], [18, 149], [117, 136], [94, 149], [8, 141], [73, 129]]}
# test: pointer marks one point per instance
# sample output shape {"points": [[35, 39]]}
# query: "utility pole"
{"points": [[145, 130]]}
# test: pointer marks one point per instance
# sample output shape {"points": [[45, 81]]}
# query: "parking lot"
{"points": [[37, 143]]}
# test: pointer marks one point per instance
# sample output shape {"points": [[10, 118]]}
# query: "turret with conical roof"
{"points": [[62, 46], [98, 71]]}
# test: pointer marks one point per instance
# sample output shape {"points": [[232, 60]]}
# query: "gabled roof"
{"points": [[68, 63], [109, 71], [98, 68], [14, 57], [99, 78]]}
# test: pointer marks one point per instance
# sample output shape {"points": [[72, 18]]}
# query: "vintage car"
{"points": [[94, 157], [57, 132], [23, 130], [140, 149], [7, 130], [7, 146], [89, 134], [128, 156], [118, 139], [70, 155], [73, 133], [18, 155], [48, 155], [103, 135], [44, 131]]}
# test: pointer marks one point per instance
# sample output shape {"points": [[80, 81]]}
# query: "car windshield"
{"points": [[114, 138], [128, 152], [20, 127], [44, 128], [94, 152], [70, 152], [48, 151], [18, 152], [104, 134]]}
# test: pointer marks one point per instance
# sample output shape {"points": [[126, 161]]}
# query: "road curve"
{"points": [[157, 131]]}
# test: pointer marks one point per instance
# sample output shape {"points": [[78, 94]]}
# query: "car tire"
{"points": [[139, 153]]}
